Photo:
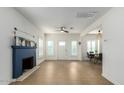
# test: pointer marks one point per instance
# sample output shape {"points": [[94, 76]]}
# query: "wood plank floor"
{"points": [[66, 73]]}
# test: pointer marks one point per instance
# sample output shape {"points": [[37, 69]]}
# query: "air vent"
{"points": [[86, 14]]}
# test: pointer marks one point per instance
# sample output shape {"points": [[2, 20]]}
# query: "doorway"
{"points": [[62, 51], [62, 47]]}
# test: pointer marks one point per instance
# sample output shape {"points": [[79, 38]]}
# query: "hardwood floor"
{"points": [[66, 73]]}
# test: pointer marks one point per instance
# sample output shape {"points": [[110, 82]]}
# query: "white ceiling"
{"points": [[49, 18]]}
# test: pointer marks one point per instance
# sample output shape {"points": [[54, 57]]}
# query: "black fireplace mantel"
{"points": [[20, 53]]}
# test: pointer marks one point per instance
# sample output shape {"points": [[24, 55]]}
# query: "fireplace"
{"points": [[23, 58], [27, 63]]}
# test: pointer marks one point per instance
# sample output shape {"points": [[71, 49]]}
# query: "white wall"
{"points": [[67, 38], [112, 45], [10, 18], [84, 40]]}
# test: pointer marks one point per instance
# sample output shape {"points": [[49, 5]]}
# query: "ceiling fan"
{"points": [[62, 29]]}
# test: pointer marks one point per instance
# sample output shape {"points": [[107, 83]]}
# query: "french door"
{"points": [[67, 50], [62, 51]]}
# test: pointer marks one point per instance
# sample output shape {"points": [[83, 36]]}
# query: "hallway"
{"points": [[66, 73]]}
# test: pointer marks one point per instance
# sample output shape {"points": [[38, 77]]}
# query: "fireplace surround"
{"points": [[23, 58]]}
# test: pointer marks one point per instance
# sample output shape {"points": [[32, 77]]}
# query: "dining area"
{"points": [[95, 58]]}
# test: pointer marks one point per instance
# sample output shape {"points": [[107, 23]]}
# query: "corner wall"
{"points": [[113, 45]]}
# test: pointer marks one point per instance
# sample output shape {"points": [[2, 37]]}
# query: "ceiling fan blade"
{"points": [[62, 29], [66, 31]]}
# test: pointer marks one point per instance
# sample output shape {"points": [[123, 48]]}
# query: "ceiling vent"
{"points": [[86, 14]]}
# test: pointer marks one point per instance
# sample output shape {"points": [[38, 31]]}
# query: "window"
{"points": [[91, 46], [74, 48], [61, 43], [50, 48], [40, 47]]}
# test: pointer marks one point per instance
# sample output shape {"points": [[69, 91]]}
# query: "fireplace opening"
{"points": [[27, 63]]}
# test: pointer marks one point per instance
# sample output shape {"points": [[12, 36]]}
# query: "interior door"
{"points": [[62, 50]]}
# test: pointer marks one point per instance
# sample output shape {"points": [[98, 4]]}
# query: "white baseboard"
{"points": [[40, 60], [27, 74], [109, 78], [64, 59]]}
